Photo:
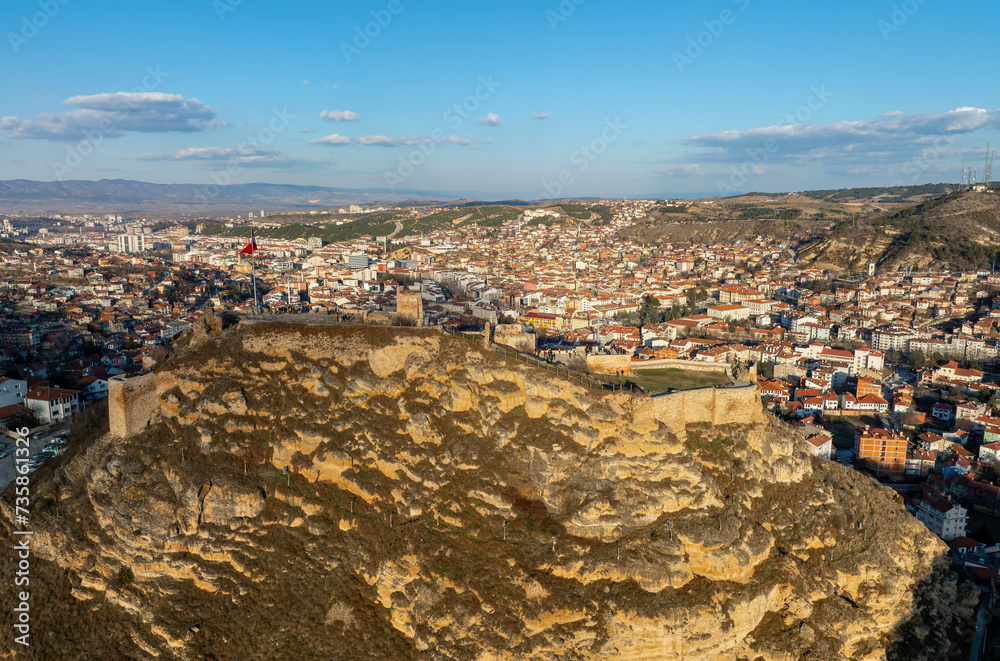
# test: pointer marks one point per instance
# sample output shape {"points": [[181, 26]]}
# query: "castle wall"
{"points": [[693, 365], [716, 406], [511, 335], [410, 306], [610, 364]]}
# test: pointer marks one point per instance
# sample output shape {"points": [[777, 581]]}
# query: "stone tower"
{"points": [[409, 306]]}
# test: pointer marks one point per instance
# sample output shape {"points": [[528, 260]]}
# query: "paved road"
{"points": [[399, 228]]}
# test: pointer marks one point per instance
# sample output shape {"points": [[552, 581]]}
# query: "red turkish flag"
{"points": [[251, 247]]}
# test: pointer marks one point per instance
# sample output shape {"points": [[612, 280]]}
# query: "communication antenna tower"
{"points": [[986, 166]]}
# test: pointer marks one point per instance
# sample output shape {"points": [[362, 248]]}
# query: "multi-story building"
{"points": [[732, 311], [357, 262], [12, 392], [52, 404], [22, 337], [820, 445], [131, 243], [867, 386], [892, 339], [990, 453], [884, 450], [944, 518]]}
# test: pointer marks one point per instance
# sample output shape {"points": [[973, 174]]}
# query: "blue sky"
{"points": [[526, 99]]}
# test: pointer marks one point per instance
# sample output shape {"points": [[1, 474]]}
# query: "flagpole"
{"points": [[253, 268]]}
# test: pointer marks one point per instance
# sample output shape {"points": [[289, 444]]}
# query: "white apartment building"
{"points": [[892, 339], [131, 243], [942, 517]]}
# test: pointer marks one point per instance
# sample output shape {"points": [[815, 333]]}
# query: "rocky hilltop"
{"points": [[360, 493], [956, 231]]}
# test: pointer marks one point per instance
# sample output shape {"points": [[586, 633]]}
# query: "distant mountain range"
{"points": [[125, 196]]}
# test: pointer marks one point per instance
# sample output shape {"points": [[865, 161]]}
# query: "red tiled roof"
{"points": [[49, 394]]}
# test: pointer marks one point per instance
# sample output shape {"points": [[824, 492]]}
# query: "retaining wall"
{"points": [[610, 364], [694, 365]]}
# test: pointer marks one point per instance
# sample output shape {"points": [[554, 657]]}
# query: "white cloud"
{"points": [[455, 140], [333, 140], [542, 115], [891, 127], [491, 119], [688, 170], [340, 115], [336, 140], [196, 154], [248, 157], [874, 145], [383, 141], [113, 114]]}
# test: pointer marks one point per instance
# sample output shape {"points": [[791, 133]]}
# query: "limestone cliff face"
{"points": [[441, 502]]}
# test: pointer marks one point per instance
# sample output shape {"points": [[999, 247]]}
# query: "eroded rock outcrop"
{"points": [[403, 494]]}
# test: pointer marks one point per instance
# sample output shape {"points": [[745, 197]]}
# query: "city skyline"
{"points": [[569, 99]]}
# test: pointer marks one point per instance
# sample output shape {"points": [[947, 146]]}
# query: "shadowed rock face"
{"points": [[444, 503]]}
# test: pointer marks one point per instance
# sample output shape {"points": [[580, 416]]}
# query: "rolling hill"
{"points": [[956, 231]]}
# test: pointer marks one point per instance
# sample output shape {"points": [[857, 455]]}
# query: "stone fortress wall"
{"points": [[513, 336], [716, 406], [134, 402]]}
